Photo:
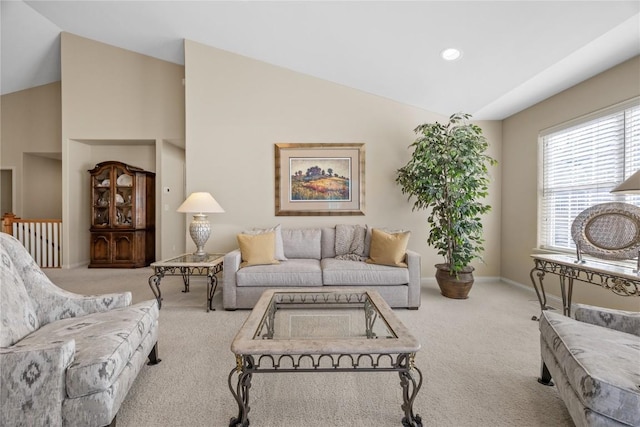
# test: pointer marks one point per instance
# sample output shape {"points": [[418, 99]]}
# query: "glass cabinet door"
{"points": [[123, 198], [101, 198]]}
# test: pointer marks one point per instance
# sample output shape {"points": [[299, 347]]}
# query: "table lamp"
{"points": [[630, 185], [199, 204]]}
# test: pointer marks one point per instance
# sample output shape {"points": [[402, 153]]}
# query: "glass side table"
{"points": [[187, 265]]}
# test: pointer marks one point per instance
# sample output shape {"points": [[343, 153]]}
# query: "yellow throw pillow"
{"points": [[257, 249], [388, 248]]}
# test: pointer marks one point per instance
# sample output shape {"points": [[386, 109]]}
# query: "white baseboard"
{"points": [[76, 265], [550, 297], [482, 279], [554, 300]]}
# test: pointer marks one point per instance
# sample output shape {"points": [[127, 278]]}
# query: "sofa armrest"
{"points": [[53, 303], [60, 304], [32, 382], [232, 262], [620, 320], [414, 260]]}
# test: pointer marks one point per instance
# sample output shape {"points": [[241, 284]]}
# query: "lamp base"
{"points": [[200, 230]]}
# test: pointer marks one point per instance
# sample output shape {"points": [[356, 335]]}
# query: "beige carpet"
{"points": [[480, 359]]}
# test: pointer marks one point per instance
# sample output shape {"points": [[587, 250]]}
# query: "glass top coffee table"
{"points": [[323, 330]]}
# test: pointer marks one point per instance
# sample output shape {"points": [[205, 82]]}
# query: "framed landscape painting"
{"points": [[319, 179]]}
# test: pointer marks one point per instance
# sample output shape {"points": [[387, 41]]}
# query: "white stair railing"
{"points": [[41, 237]]}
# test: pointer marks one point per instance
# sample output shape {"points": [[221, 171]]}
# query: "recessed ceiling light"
{"points": [[450, 54]]}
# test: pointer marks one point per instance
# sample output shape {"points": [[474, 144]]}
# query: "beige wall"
{"points": [[237, 108], [31, 124], [6, 191], [171, 174], [112, 96], [43, 185], [520, 172], [141, 155]]}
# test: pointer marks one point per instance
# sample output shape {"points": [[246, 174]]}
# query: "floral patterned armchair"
{"points": [[66, 359]]}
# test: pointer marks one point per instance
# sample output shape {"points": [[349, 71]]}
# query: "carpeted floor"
{"points": [[480, 359]]}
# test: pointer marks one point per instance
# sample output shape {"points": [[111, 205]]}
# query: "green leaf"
{"points": [[449, 173]]}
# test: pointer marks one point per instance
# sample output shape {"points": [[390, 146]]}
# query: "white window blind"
{"points": [[582, 162]]}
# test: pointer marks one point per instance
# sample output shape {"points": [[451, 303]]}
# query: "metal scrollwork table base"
{"points": [[186, 266], [623, 281], [382, 346]]}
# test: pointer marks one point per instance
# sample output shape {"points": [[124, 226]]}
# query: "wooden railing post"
{"points": [[7, 222]]}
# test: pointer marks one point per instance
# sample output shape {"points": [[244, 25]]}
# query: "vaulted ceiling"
{"points": [[514, 53]]}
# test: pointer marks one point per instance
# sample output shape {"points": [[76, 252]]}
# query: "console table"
{"points": [[624, 281], [187, 265]]}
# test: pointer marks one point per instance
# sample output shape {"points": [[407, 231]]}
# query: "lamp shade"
{"points": [[200, 202], [629, 185]]}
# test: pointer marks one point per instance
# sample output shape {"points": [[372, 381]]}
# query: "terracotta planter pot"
{"points": [[452, 286]]}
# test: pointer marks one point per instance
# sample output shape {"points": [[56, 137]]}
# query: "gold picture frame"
{"points": [[319, 179]]}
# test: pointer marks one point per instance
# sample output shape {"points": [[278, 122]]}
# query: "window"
{"points": [[582, 162]]}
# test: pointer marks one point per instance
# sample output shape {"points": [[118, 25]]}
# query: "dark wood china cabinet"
{"points": [[122, 216]]}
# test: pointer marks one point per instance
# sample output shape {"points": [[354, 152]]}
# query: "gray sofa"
{"points": [[66, 359], [594, 361], [311, 262]]}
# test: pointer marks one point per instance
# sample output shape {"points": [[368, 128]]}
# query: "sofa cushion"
{"points": [[601, 365], [625, 321], [277, 230], [17, 314], [302, 243], [367, 241], [328, 242], [257, 249], [293, 272], [105, 342], [344, 272], [350, 242], [388, 248]]}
